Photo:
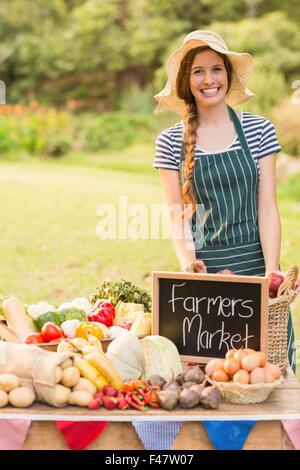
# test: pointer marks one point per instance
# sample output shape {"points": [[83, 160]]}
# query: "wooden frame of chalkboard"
{"points": [[207, 314]]}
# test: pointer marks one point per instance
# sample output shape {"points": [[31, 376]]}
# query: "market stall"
{"points": [[136, 377], [267, 433]]}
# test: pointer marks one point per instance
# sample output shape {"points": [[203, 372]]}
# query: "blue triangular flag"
{"points": [[228, 435], [157, 435]]}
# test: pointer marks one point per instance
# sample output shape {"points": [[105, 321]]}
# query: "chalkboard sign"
{"points": [[207, 314]]}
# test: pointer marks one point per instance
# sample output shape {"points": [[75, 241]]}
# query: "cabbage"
{"points": [[71, 313], [161, 358], [125, 353]]}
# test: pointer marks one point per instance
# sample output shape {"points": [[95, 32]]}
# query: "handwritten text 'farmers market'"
{"points": [[218, 306]]}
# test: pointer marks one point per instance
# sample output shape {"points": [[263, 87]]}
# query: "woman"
{"points": [[221, 160]]}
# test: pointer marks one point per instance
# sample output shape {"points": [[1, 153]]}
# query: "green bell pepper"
{"points": [[40, 320]]}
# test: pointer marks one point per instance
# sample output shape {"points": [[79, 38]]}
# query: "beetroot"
{"points": [[168, 399], [211, 397], [194, 374], [188, 398]]}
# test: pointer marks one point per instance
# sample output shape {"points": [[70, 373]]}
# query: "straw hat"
{"points": [[242, 65]]}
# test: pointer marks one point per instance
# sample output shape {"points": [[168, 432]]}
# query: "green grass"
{"points": [[49, 247]]}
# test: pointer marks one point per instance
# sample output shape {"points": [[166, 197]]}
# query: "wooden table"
{"points": [[268, 433]]}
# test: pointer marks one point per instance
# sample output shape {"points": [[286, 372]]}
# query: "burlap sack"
{"points": [[35, 368]]}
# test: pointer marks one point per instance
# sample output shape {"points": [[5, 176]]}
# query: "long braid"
{"points": [[191, 121], [189, 138]]}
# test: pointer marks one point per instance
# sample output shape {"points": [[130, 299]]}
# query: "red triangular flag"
{"points": [[79, 434]]}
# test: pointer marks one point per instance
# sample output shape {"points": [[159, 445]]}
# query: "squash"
{"points": [[142, 325], [16, 318], [126, 354], [161, 358], [128, 311]]}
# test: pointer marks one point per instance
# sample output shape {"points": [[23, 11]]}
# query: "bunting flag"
{"points": [[157, 435], [79, 434], [292, 428], [228, 435], [13, 433]]}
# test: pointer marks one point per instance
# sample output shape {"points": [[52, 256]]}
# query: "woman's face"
{"points": [[208, 78]]}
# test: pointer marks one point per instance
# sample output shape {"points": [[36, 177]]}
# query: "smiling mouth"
{"points": [[210, 91]]}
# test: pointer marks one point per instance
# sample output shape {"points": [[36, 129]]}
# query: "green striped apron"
{"points": [[226, 189]]}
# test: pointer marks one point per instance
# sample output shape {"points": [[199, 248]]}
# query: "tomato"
{"points": [[83, 327], [51, 331], [34, 338]]}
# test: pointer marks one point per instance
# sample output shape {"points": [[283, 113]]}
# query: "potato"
{"points": [[3, 398], [85, 385], [66, 363], [70, 376], [80, 398], [61, 394], [21, 397], [8, 382], [58, 375]]}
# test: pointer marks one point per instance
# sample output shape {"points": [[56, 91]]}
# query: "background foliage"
{"points": [[107, 56]]}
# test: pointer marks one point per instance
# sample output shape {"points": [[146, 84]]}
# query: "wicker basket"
{"points": [[244, 394], [278, 320]]}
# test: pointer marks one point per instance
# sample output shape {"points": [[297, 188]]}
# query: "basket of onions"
{"points": [[243, 376]]}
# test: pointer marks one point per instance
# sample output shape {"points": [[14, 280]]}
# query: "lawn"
{"points": [[50, 249], [49, 245]]}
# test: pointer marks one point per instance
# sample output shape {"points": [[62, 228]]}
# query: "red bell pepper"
{"points": [[150, 398], [103, 312]]}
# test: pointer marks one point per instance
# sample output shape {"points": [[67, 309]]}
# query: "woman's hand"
{"points": [[194, 267]]}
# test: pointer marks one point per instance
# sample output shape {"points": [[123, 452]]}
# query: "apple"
{"points": [[226, 272], [275, 279], [126, 324]]}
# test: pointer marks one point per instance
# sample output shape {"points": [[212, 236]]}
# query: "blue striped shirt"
{"points": [[260, 134]]}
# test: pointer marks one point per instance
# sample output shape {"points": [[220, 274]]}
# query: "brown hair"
{"points": [[191, 118]]}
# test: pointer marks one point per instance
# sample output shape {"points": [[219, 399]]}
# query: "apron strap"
{"points": [[238, 128], [241, 135]]}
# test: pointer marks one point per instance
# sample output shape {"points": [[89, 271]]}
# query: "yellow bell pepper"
{"points": [[84, 327]]}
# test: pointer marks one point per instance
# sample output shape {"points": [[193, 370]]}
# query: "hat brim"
{"points": [[242, 65]]}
